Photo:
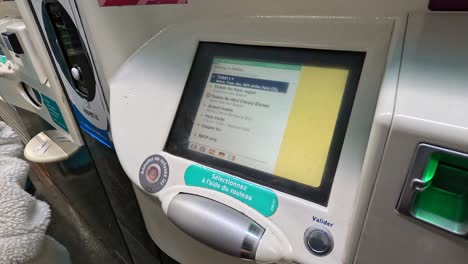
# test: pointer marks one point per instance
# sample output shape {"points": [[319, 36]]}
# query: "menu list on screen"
{"points": [[269, 116]]}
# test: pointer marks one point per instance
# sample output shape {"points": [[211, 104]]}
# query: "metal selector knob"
{"points": [[318, 241], [76, 73]]}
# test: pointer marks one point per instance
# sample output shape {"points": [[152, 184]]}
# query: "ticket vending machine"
{"points": [[26, 84], [300, 139], [249, 139], [62, 31], [59, 38]]}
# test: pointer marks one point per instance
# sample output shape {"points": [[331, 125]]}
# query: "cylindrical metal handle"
{"points": [[216, 225]]}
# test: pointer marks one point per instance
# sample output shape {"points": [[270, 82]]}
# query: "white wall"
{"points": [[8, 9], [117, 32]]}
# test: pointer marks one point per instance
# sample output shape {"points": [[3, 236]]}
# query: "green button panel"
{"points": [[259, 198]]}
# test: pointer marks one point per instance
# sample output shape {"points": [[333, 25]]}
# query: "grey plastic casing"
{"points": [[216, 225], [431, 108]]}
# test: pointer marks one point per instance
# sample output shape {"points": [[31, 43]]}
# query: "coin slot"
{"points": [[32, 94]]}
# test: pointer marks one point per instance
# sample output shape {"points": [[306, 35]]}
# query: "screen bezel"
{"points": [[178, 140]]}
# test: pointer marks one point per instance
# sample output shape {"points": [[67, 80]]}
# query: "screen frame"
{"points": [[177, 142]]}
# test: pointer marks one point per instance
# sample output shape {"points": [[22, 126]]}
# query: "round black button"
{"points": [[318, 241]]}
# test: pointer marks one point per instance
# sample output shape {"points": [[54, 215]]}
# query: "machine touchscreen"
{"points": [[275, 116]]}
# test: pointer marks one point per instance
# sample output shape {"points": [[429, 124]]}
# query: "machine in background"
{"points": [[25, 85], [66, 183], [90, 177]]}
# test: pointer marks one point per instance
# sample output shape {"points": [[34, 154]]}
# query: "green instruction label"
{"points": [[259, 198], [55, 112]]}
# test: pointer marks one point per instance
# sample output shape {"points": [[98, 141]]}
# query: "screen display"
{"points": [[277, 120]]}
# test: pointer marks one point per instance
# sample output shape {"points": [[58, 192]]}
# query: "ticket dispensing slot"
{"points": [[436, 191]]}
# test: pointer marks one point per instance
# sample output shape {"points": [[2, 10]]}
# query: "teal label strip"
{"points": [[55, 112], [259, 198], [263, 64]]}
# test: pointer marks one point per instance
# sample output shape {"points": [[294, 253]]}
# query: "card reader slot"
{"points": [[436, 191]]}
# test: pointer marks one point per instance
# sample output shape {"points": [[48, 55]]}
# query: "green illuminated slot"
{"points": [[445, 202], [430, 170]]}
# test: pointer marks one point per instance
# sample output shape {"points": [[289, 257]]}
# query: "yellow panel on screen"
{"points": [[309, 131]]}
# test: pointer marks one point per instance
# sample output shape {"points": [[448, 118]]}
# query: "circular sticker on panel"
{"points": [[154, 173]]}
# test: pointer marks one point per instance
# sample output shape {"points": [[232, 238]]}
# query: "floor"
{"points": [[71, 230], [83, 218]]}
